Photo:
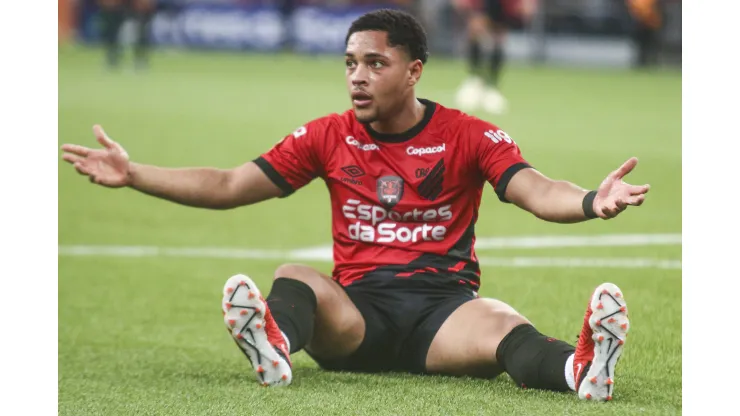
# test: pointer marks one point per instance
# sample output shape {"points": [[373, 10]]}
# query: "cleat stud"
{"points": [[243, 312], [243, 283], [624, 326], [622, 309], [284, 377], [232, 322], [275, 363], [257, 310], [609, 381], [258, 326], [265, 384], [229, 290], [601, 338], [227, 305], [598, 322], [617, 295], [239, 336], [620, 342], [250, 295], [593, 380], [588, 396], [604, 292], [600, 306], [612, 320], [608, 398], [260, 369]]}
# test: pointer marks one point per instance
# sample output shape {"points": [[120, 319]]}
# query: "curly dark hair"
{"points": [[403, 30]]}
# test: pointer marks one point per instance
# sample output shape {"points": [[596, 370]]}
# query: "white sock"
{"points": [[287, 342], [569, 377]]}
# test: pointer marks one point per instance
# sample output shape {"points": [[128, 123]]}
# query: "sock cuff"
{"points": [[510, 340], [293, 285]]}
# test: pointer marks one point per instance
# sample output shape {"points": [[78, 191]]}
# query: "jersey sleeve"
{"points": [[496, 155], [298, 158]]}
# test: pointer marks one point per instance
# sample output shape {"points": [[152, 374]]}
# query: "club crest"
{"points": [[390, 190]]}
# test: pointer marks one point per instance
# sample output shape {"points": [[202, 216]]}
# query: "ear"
{"points": [[415, 70]]}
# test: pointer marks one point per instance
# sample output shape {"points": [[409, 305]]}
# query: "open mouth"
{"points": [[361, 99]]}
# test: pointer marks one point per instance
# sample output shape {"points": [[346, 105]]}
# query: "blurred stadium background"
{"points": [[140, 279], [579, 32]]}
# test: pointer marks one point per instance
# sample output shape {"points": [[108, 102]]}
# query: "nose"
{"points": [[359, 75]]}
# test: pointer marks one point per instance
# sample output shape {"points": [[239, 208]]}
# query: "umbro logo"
{"points": [[353, 171]]}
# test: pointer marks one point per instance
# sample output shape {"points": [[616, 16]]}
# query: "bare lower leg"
{"points": [[496, 338]]}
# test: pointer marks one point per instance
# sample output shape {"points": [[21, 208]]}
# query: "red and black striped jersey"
{"points": [[403, 203]]}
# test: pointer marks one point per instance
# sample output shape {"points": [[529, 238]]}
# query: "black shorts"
{"points": [[494, 9], [402, 316]]}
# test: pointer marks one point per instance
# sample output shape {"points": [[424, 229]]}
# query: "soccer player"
{"points": [[405, 177], [486, 18], [648, 18], [113, 14]]}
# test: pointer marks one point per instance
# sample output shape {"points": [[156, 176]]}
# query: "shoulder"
{"points": [[456, 124], [319, 126]]}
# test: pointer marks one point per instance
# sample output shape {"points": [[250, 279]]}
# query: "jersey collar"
{"points": [[410, 133]]}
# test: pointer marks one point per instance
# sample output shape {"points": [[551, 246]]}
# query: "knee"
{"points": [[307, 275], [506, 319], [511, 320], [292, 271]]}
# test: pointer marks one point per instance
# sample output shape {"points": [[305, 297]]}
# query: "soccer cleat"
{"points": [[601, 343], [251, 325], [493, 101], [470, 94]]}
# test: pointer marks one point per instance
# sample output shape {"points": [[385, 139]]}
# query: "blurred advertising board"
{"points": [[306, 26]]}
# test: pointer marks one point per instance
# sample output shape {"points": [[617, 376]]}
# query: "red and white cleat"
{"points": [[250, 323], [601, 343]]}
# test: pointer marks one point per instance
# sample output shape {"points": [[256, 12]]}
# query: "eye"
{"points": [[377, 64], [349, 64]]}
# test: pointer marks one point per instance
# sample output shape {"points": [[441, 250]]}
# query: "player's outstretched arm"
{"points": [[564, 202], [197, 187]]}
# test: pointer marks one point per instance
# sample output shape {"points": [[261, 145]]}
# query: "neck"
{"points": [[409, 115]]}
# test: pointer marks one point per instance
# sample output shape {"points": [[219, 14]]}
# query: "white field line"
{"points": [[613, 240], [325, 253]]}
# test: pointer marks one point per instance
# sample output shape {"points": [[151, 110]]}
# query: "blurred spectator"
{"points": [[113, 14], [648, 21], [66, 20]]}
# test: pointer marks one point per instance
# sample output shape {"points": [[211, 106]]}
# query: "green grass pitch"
{"points": [[144, 335]]}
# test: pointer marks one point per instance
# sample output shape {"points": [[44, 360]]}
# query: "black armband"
{"points": [[588, 205]]}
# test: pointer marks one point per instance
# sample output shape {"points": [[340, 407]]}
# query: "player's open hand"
{"points": [[108, 166], [614, 195]]}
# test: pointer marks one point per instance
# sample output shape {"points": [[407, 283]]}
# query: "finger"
{"points": [[621, 204], [636, 200], [82, 169], [76, 149], [103, 138], [625, 168], [608, 212], [638, 190], [68, 157]]}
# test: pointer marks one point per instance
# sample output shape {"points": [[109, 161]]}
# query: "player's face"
{"points": [[379, 77]]}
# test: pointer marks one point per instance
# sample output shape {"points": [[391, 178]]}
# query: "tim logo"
{"points": [[390, 190]]}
